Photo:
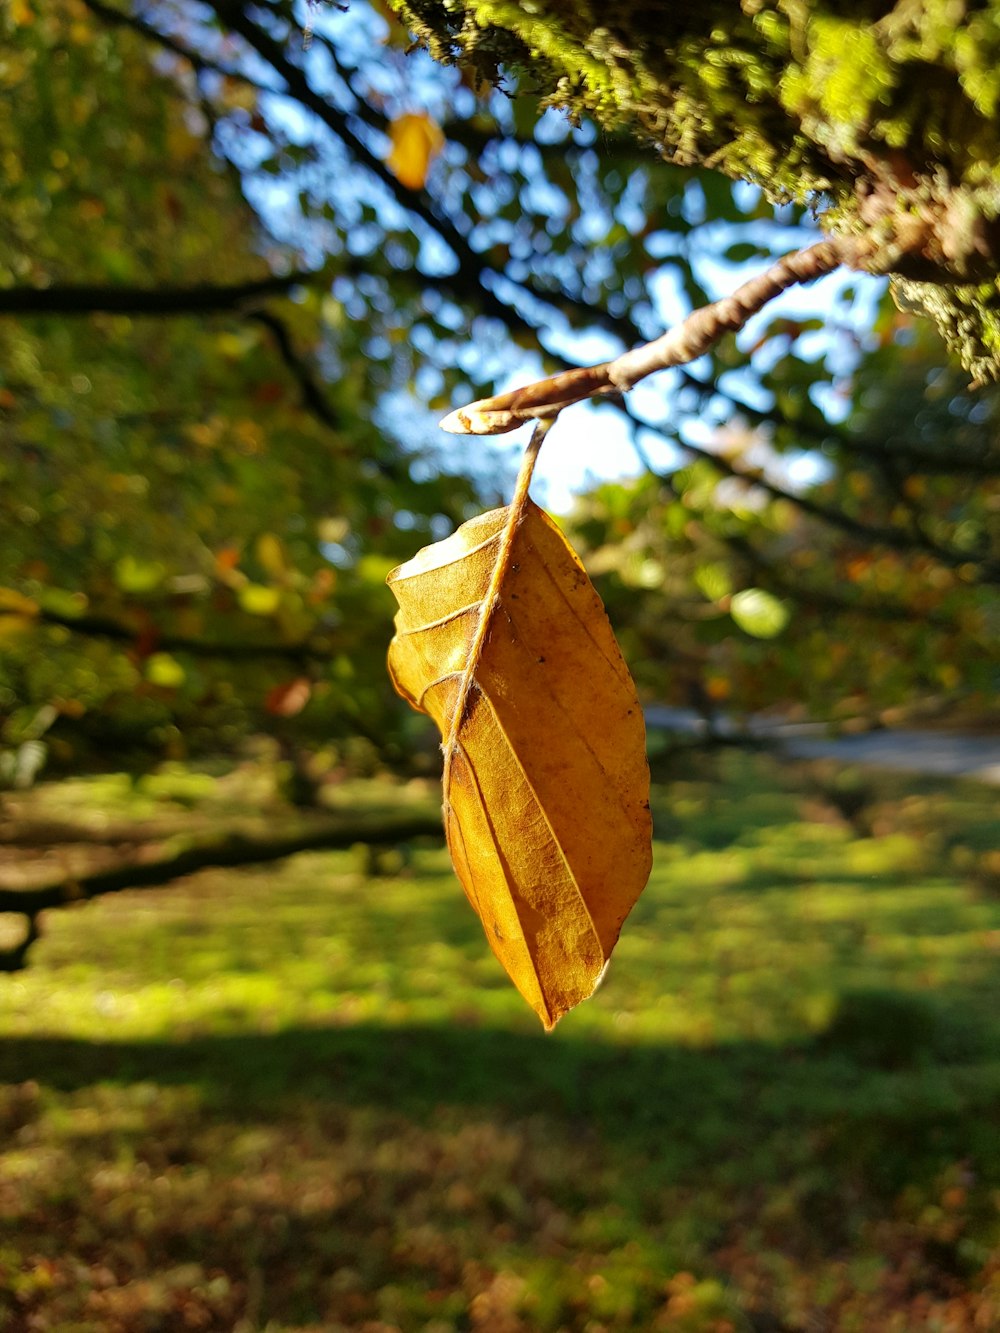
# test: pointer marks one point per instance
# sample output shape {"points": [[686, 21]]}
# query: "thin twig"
{"points": [[313, 397], [105, 627], [110, 14], [681, 345]]}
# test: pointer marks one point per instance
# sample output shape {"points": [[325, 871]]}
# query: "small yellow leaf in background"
{"points": [[14, 603], [138, 576], [714, 581], [258, 599], [416, 142], [502, 638], [60, 602], [759, 613], [165, 671], [271, 554]]}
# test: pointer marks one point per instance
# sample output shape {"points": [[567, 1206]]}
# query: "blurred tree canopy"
{"points": [[249, 252]]}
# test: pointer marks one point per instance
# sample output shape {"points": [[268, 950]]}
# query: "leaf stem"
{"points": [[515, 513], [527, 469]]}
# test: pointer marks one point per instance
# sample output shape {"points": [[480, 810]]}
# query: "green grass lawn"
{"points": [[303, 1098]]}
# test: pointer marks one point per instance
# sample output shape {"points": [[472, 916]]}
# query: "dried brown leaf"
{"points": [[502, 639]]}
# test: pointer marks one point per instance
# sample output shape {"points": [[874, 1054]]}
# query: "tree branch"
{"points": [[822, 432], [15, 831], [819, 600], [198, 299], [684, 343], [927, 461], [314, 400], [104, 627], [897, 539], [415, 201], [313, 397], [377, 829], [472, 271], [194, 58], [236, 849], [894, 538]]}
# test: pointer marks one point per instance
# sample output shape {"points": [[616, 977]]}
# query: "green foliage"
{"points": [[304, 1098], [166, 503], [889, 602]]}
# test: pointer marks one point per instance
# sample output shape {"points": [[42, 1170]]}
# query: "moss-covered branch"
{"points": [[882, 117]]}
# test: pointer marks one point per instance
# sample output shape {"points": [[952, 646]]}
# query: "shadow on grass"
{"points": [[894, 1100], [338, 1175]]}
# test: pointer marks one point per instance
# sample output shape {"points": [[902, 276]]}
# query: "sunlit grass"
{"points": [[301, 1097]]}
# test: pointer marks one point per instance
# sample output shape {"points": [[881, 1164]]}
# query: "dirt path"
{"points": [[944, 753], [941, 753]]}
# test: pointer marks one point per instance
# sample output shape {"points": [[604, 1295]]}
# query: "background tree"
{"points": [[435, 241], [736, 596], [251, 252]]}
